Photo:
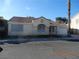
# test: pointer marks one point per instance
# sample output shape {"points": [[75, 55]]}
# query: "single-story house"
{"points": [[23, 26]]}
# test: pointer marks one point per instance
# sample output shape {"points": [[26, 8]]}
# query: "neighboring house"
{"points": [[22, 26], [3, 27], [75, 24]]}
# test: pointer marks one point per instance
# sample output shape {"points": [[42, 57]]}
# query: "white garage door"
{"points": [[62, 31]]}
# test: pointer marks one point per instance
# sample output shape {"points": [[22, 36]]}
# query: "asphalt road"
{"points": [[41, 50]]}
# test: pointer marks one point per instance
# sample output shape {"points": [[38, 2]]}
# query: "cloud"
{"points": [[7, 2], [6, 6], [28, 8]]}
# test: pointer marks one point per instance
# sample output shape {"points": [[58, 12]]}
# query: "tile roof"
{"points": [[26, 19], [22, 19]]}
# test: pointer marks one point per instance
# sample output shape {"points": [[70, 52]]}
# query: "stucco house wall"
{"points": [[38, 22], [32, 27], [62, 30], [27, 29]]}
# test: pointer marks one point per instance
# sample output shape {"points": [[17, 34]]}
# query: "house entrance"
{"points": [[52, 30], [41, 28]]}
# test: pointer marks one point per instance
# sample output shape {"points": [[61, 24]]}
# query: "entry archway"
{"points": [[41, 27]]}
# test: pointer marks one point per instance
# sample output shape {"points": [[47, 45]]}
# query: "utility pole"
{"points": [[50, 31], [69, 16]]}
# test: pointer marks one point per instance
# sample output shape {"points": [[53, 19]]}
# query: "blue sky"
{"points": [[36, 8]]}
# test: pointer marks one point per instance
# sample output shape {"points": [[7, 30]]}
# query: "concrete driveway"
{"points": [[41, 50]]}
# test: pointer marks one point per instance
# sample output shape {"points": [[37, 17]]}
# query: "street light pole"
{"points": [[69, 15]]}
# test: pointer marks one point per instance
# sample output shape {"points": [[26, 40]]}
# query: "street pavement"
{"points": [[41, 50]]}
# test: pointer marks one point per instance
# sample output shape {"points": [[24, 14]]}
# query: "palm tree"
{"points": [[69, 21], [61, 20]]}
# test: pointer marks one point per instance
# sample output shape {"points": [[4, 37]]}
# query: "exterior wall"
{"points": [[61, 31], [27, 29], [36, 32], [35, 25], [32, 28]]}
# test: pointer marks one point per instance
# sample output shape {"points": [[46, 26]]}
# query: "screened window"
{"points": [[16, 27]]}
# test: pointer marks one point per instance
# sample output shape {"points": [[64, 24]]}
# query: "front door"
{"points": [[52, 30]]}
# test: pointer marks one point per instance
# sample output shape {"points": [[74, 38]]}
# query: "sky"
{"points": [[36, 8]]}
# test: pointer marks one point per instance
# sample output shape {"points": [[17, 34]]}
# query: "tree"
{"points": [[65, 20], [61, 20], [69, 16], [3, 27]]}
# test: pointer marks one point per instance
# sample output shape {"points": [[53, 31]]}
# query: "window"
{"points": [[41, 27], [16, 27]]}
